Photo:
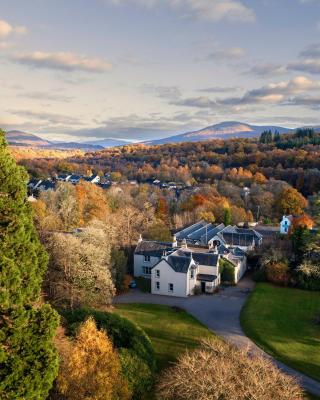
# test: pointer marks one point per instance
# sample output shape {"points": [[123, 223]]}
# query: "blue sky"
{"points": [[139, 69]]}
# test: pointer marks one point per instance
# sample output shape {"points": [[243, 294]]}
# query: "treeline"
{"points": [[294, 159]]}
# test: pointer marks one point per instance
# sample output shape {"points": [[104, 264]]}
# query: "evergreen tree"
{"points": [[28, 359], [227, 219], [277, 136]]}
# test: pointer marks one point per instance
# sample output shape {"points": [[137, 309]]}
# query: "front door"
{"points": [[203, 287]]}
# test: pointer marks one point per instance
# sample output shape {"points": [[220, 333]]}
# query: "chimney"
{"points": [[184, 244], [174, 241], [140, 238]]}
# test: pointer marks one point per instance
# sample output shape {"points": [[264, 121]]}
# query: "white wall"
{"points": [[285, 225], [180, 281], [138, 263]]}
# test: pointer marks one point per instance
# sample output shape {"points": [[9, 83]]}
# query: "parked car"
{"points": [[133, 285]]}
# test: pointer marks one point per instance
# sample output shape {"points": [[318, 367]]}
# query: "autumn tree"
{"points": [[290, 201], [158, 231], [304, 221], [28, 358], [91, 368], [218, 370], [80, 267]]}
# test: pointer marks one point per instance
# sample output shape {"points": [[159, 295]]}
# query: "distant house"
{"points": [[92, 179], [285, 224], [74, 179], [64, 177], [46, 185], [34, 184]]}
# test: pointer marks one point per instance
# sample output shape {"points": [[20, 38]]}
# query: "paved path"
{"points": [[221, 314]]}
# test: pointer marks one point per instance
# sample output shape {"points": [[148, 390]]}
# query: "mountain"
{"points": [[224, 130], [18, 138], [108, 142]]}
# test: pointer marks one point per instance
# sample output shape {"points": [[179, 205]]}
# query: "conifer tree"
{"points": [[28, 359]]}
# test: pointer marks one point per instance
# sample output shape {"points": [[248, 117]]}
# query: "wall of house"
{"points": [[208, 270], [139, 263], [284, 226], [168, 275], [240, 267]]}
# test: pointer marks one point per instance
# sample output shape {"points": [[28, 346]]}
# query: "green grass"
{"points": [[170, 331], [282, 322]]}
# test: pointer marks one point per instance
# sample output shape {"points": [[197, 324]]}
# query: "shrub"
{"points": [[278, 273], [227, 271], [136, 352], [218, 371], [260, 275], [307, 276]]}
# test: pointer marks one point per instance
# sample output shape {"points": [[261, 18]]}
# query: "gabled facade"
{"points": [[285, 224]]}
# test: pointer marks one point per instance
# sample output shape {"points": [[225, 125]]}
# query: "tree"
{"points": [[91, 368], [227, 217], [266, 137], [119, 262], [162, 209], [80, 268], [218, 370], [158, 231], [29, 361], [277, 136], [302, 220], [290, 201]]}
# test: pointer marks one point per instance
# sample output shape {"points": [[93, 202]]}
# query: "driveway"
{"points": [[221, 314]]}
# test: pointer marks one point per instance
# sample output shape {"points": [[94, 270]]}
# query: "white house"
{"points": [[181, 272], [285, 224]]}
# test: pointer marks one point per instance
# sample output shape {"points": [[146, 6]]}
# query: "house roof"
{"points": [[152, 248], [238, 239], [179, 263], [189, 230], [206, 278], [209, 259]]}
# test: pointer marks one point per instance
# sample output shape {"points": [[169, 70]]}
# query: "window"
{"points": [[158, 285], [192, 274], [146, 270], [146, 258], [170, 287], [158, 273]]}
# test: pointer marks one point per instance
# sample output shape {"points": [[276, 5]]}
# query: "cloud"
{"points": [[309, 60], [267, 69], [166, 92], [48, 118], [7, 29], [64, 61], [210, 10], [293, 92], [232, 53], [37, 95], [219, 89]]}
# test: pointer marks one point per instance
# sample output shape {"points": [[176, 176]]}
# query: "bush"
{"points": [[218, 371], [136, 352], [227, 271], [278, 273], [260, 275]]}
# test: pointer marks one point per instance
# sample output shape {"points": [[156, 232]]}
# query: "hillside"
{"points": [[19, 138], [223, 130]]}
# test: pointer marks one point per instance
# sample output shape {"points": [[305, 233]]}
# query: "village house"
{"points": [[285, 224], [190, 263]]}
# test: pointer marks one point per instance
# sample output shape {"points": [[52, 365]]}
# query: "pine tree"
{"points": [[28, 359], [227, 219]]}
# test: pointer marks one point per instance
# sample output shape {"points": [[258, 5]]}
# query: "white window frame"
{"points": [[192, 273], [146, 270], [147, 259], [157, 285], [158, 273], [169, 287]]}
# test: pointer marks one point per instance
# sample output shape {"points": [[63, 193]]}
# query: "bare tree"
{"points": [[218, 371]]}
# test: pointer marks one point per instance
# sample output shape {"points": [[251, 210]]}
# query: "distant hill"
{"points": [[18, 138], [108, 142], [224, 130]]}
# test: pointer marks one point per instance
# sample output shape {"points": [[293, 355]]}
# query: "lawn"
{"points": [[282, 322], [171, 331]]}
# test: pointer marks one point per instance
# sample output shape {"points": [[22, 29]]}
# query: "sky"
{"points": [[80, 70]]}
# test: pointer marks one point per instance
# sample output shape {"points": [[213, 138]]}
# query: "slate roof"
{"points": [[222, 249], [237, 252], [152, 248], [179, 263], [189, 230], [47, 185], [209, 259], [211, 233], [206, 278], [238, 239]]}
